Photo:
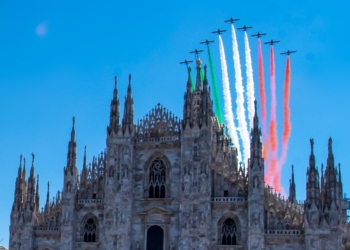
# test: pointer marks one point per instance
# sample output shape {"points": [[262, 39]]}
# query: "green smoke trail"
{"points": [[192, 82], [215, 88], [202, 74]]}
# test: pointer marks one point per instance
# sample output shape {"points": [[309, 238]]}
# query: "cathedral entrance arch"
{"points": [[155, 238]]}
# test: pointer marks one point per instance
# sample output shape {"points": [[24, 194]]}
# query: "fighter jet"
{"points": [[186, 62], [207, 42], [258, 35], [272, 42], [245, 28], [196, 52], [219, 31], [231, 20], [288, 52]]}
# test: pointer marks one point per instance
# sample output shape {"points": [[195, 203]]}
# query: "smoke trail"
{"points": [[250, 81], [262, 101], [228, 100], [202, 74], [192, 82], [273, 170], [242, 124], [287, 126], [215, 89]]}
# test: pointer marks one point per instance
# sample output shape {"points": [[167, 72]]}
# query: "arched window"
{"points": [[157, 179], [155, 238], [229, 232], [90, 230]]}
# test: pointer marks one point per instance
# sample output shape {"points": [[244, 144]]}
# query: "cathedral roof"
{"points": [[159, 124]]}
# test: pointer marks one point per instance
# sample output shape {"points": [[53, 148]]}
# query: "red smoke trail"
{"points": [[287, 125], [273, 173], [262, 101]]}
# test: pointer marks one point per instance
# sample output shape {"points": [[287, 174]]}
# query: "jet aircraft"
{"points": [[207, 42], [231, 20], [288, 52], [245, 28], [258, 35], [196, 52], [219, 31], [272, 42], [186, 62]]}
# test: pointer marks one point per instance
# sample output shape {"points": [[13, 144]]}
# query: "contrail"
{"points": [[242, 124], [228, 100], [215, 89], [250, 81], [287, 126], [193, 84], [202, 74], [273, 170], [262, 101]]}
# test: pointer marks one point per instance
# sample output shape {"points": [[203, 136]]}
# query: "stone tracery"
{"points": [[157, 124]]}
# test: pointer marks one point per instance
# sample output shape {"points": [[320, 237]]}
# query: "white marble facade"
{"points": [[168, 183]]}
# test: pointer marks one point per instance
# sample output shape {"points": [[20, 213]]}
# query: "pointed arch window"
{"points": [[229, 232], [157, 179], [90, 230]]}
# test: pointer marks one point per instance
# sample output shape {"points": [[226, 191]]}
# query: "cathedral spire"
{"points": [[340, 184], [312, 184], [115, 110], [47, 205], [37, 197], [187, 109], [292, 193], [199, 77], [189, 80], [331, 180], [84, 171], [72, 151], [128, 119], [32, 167], [30, 201], [205, 79], [20, 167], [24, 174], [256, 145], [207, 103], [19, 192]]}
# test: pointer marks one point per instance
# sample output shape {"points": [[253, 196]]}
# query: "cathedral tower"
{"points": [[195, 198], [118, 181], [256, 188], [324, 208], [70, 180]]}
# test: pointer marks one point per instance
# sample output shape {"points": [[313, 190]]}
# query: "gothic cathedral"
{"points": [[167, 183]]}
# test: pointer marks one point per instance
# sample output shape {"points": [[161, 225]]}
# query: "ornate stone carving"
{"points": [[157, 124]]}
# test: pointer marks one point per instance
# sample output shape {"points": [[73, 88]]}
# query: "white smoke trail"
{"points": [[250, 81], [232, 130], [242, 124]]}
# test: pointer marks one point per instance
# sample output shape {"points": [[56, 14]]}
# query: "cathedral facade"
{"points": [[165, 183]]}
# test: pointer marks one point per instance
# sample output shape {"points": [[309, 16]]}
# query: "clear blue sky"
{"points": [[58, 59]]}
